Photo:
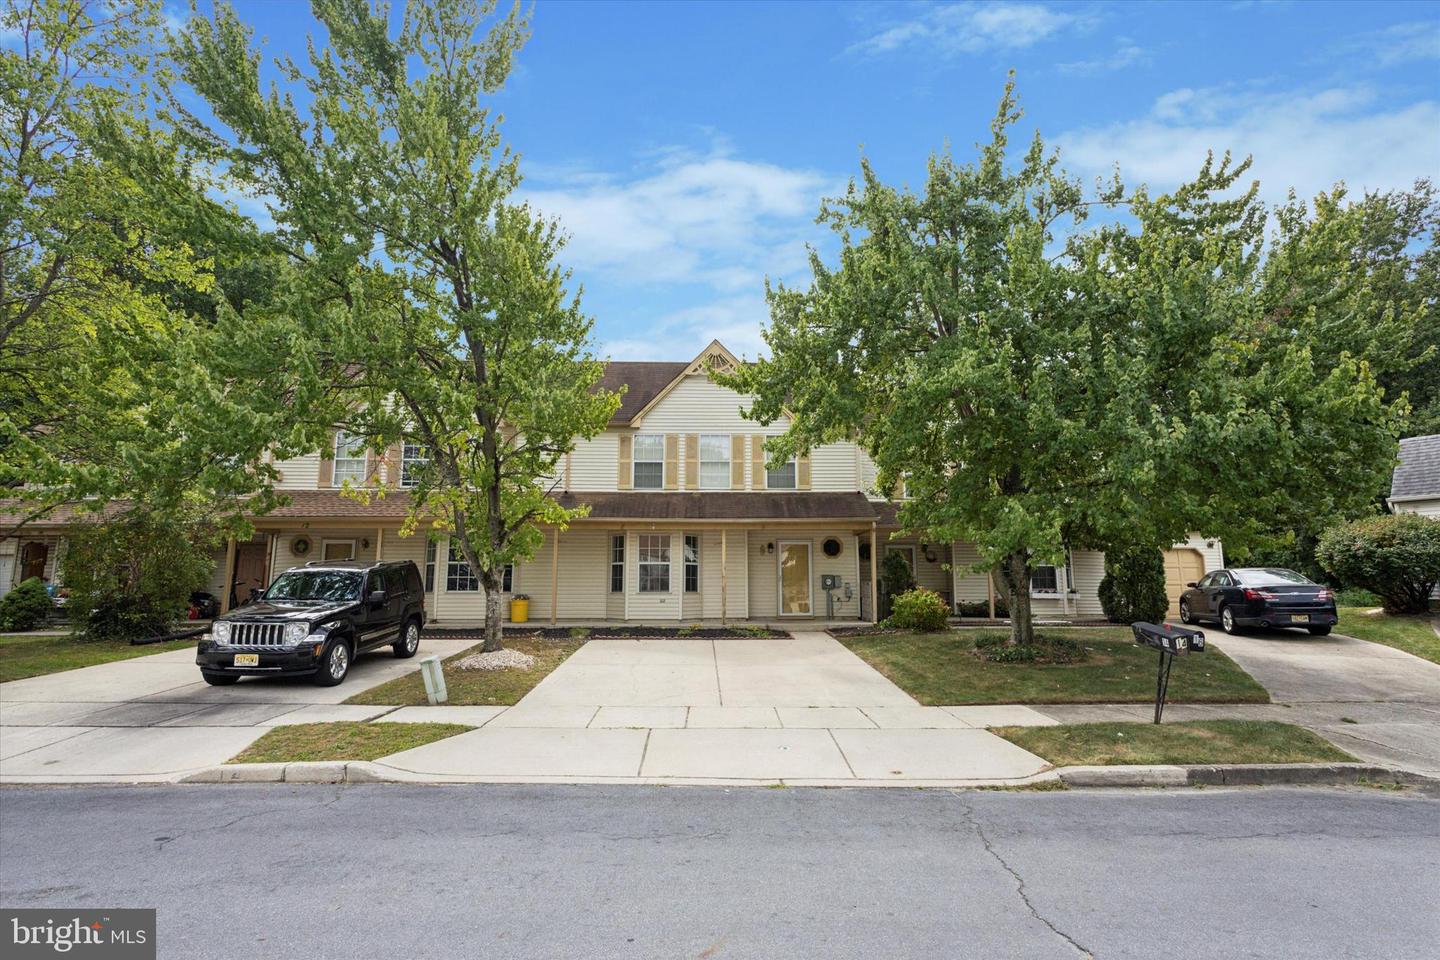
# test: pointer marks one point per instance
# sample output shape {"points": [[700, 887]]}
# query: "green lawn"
{"points": [[343, 741], [943, 669], [478, 687], [1411, 634], [30, 655], [1197, 741]]}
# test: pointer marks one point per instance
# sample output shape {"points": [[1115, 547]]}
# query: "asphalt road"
{"points": [[636, 872]]}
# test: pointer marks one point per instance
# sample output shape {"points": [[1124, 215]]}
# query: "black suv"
{"points": [[315, 620]]}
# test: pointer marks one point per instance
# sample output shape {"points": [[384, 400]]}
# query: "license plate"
{"points": [[1301, 618], [247, 659]]}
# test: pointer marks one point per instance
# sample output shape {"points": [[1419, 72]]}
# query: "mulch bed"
{"points": [[615, 632]]}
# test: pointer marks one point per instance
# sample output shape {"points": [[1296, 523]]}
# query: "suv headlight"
{"points": [[220, 631], [296, 632]]}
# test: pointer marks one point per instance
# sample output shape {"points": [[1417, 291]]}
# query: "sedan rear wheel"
{"points": [[1227, 621], [1185, 612]]}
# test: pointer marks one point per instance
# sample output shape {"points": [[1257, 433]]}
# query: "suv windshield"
{"points": [[315, 585], [1271, 577]]}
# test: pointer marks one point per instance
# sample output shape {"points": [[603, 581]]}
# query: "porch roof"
{"points": [[723, 505]]}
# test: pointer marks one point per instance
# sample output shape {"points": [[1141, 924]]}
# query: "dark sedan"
{"points": [[1259, 597]]}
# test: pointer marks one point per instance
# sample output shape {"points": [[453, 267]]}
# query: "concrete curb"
{"points": [[330, 771], [1240, 774]]}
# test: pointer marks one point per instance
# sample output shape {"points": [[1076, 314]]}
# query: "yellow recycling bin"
{"points": [[520, 609]]}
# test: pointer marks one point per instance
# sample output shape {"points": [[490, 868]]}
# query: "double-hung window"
{"points": [[349, 459], [459, 577], [654, 562], [429, 566], [714, 461], [1045, 581], [781, 477], [692, 563], [617, 563], [649, 461], [413, 459]]}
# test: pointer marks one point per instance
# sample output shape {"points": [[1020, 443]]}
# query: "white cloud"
{"points": [[1305, 140], [1398, 43], [1127, 54], [972, 28], [714, 220], [734, 321]]}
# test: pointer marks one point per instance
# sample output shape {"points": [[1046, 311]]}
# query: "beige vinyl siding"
{"points": [[762, 576], [832, 468], [1424, 508], [583, 575], [865, 471], [593, 462], [968, 586], [283, 557], [736, 586], [9, 550], [299, 473]]}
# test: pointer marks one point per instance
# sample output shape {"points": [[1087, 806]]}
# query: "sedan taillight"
{"points": [[1251, 594], [1323, 595]]}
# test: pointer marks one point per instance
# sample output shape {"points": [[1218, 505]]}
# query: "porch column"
{"points": [[229, 587], [379, 543], [724, 576], [554, 576], [874, 574], [990, 591]]}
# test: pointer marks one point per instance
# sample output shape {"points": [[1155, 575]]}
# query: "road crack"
{"points": [[1079, 948]]}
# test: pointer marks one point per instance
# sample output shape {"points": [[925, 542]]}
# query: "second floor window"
{"points": [[413, 458], [654, 562], [649, 462], [714, 461], [349, 459], [782, 477]]}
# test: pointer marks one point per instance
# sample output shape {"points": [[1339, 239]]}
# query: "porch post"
{"points": [[229, 587], [990, 590], [379, 543], [554, 575], [874, 574], [724, 576]]}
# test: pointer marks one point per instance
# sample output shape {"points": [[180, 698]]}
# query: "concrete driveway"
{"points": [[153, 718]]}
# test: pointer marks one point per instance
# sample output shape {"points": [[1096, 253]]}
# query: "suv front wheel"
{"points": [[409, 641], [335, 666]]}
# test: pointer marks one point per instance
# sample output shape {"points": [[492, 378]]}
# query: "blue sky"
{"points": [[686, 146]]}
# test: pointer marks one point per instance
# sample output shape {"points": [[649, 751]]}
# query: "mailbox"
{"points": [[1170, 641]]}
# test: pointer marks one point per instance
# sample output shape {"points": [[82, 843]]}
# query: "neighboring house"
{"points": [[1415, 485], [686, 523]]}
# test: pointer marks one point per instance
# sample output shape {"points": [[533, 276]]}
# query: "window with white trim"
{"points": [[714, 461], [413, 459], [349, 459], [617, 563], [460, 578], [429, 566], [654, 562], [648, 465], [692, 563], [782, 477], [1045, 581]]}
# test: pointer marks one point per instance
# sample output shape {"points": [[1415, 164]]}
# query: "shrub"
{"points": [[981, 608], [26, 606], [1355, 597], [895, 578], [1133, 588], [918, 609], [131, 578], [1056, 650], [1396, 557]]}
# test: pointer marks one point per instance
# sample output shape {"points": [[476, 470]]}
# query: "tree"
{"points": [[1133, 587], [1037, 382], [1396, 557], [122, 373], [431, 300]]}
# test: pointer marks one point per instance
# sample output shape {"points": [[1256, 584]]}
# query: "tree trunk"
{"points": [[494, 635], [1015, 578]]}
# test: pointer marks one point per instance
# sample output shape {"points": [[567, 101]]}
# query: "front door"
{"points": [[249, 570], [32, 560], [795, 599]]}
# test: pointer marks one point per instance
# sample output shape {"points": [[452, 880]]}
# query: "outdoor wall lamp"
{"points": [[770, 547]]}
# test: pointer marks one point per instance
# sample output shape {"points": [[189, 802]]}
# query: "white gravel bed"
{"points": [[499, 660]]}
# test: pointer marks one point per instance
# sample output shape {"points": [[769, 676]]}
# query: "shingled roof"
{"points": [[721, 505], [1418, 475], [644, 378]]}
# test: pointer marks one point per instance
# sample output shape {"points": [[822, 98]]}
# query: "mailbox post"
{"points": [[1169, 640]]}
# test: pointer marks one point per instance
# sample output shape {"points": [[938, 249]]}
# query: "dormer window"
{"points": [[349, 459], [649, 462]]}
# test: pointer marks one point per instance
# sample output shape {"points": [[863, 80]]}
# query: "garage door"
{"points": [[1181, 567]]}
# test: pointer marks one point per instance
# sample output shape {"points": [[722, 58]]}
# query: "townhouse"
{"points": [[686, 523]]}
